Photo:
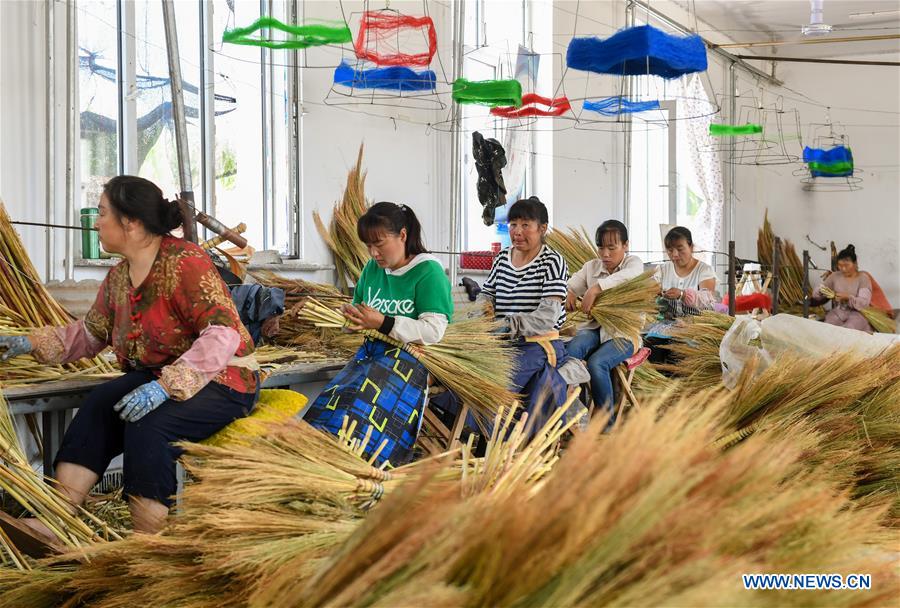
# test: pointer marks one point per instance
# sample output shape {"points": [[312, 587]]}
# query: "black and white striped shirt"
{"points": [[518, 290]]}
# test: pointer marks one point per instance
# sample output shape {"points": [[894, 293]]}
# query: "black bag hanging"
{"points": [[490, 158]]}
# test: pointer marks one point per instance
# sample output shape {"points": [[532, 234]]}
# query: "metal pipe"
{"points": [[749, 45], [776, 274], [809, 60], [71, 132], [731, 169], [731, 278], [50, 167], [805, 283], [207, 108], [459, 12], [178, 116], [714, 48], [48, 226]]}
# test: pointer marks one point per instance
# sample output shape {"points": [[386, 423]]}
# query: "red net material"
{"points": [[555, 107], [383, 34]]}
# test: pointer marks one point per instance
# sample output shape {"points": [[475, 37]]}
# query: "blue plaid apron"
{"points": [[383, 387]]}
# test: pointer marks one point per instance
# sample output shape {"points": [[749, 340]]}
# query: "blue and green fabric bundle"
{"points": [[835, 162], [393, 78], [638, 51], [614, 106]]}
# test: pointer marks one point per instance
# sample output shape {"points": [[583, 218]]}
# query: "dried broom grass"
{"points": [[350, 254], [25, 303], [696, 350], [295, 330], [575, 245], [879, 320], [651, 514], [853, 403], [297, 290], [470, 360], [791, 268], [623, 309], [21, 483]]}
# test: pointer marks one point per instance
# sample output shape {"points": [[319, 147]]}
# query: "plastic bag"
{"points": [[737, 350]]}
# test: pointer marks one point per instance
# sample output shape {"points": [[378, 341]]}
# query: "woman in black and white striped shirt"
{"points": [[527, 287]]}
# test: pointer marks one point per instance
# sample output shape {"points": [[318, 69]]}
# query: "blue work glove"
{"points": [[15, 346], [141, 401]]}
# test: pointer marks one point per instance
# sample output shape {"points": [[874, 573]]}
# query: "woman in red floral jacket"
{"points": [[188, 361]]}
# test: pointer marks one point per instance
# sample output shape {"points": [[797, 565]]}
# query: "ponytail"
{"points": [[391, 217]]}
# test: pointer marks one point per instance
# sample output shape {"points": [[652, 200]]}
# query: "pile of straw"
{"points": [[851, 404], [27, 488], [651, 514], [470, 360], [350, 254], [791, 268], [297, 290], [696, 350], [26, 304], [296, 330], [575, 245], [263, 516]]}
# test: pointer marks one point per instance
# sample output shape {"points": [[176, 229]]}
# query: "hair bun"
{"points": [[851, 248]]}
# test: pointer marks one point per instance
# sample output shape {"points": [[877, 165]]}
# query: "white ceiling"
{"points": [[781, 20]]}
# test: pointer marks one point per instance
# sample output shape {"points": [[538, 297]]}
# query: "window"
{"points": [[240, 107], [494, 44]]}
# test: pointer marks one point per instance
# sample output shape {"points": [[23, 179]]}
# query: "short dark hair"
{"points": [[610, 228], [678, 233], [847, 253], [140, 199], [392, 218], [530, 208]]}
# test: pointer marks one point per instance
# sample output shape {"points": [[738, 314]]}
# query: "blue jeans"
{"points": [[601, 358]]}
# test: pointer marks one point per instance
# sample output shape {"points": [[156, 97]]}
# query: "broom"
{"points": [[623, 309], [470, 360], [877, 318], [575, 246], [350, 254]]}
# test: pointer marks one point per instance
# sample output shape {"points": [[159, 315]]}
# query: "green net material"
{"points": [[488, 92], [732, 130], [305, 36]]}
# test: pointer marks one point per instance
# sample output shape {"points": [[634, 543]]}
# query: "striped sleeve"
{"points": [[555, 277], [489, 287]]}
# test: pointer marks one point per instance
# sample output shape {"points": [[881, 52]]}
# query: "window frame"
{"points": [[126, 85]]}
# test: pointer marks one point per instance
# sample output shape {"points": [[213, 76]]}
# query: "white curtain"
{"points": [[697, 109]]}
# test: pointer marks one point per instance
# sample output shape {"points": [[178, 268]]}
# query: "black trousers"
{"points": [[97, 434]]}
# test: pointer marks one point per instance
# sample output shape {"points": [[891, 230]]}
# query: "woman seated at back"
{"points": [[404, 294], [599, 348], [852, 293], [686, 287]]}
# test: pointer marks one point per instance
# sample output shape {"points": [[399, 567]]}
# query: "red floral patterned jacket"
{"points": [[181, 323]]}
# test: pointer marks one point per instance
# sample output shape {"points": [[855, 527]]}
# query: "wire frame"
{"points": [[521, 66], [824, 135], [780, 143], [368, 99]]}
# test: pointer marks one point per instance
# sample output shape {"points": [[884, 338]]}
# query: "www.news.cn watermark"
{"points": [[817, 582]]}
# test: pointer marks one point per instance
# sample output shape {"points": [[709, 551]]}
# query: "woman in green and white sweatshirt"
{"points": [[404, 294]]}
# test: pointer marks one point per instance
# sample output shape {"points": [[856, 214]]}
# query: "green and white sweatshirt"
{"points": [[417, 295]]}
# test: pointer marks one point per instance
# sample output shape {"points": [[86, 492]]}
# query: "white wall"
{"points": [[868, 218], [406, 162]]}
